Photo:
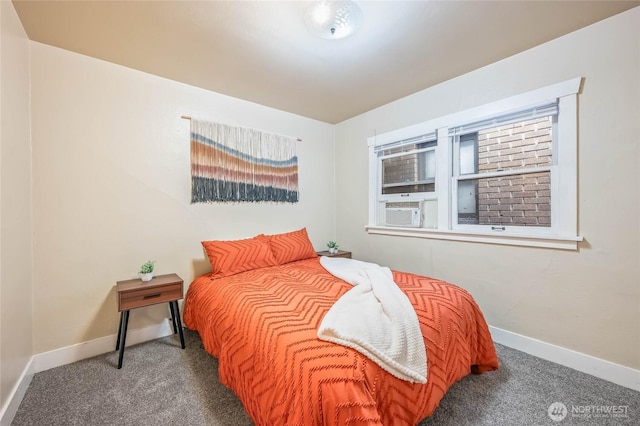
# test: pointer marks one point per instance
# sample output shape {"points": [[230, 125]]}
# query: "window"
{"points": [[500, 173]]}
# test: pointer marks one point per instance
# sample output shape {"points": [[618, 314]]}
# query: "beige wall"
{"points": [[111, 188], [587, 301], [15, 203]]}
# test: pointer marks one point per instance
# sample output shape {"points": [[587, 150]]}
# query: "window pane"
{"points": [[413, 172], [517, 200], [516, 146], [468, 154], [400, 169], [468, 201], [428, 158]]}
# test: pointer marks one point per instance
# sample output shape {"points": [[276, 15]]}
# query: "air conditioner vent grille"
{"points": [[404, 214]]}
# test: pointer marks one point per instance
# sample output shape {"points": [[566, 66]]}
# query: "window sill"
{"points": [[562, 243]]}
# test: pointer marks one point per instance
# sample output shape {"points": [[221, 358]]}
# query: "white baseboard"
{"points": [[67, 355], [606, 370], [10, 408]]}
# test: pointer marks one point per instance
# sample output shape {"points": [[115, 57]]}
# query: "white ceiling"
{"points": [[261, 51]]}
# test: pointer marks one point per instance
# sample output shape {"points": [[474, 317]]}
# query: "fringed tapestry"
{"points": [[232, 164]]}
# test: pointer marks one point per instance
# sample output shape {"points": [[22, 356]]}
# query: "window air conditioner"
{"points": [[410, 217]]}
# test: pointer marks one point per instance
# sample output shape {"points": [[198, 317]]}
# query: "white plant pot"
{"points": [[333, 250], [146, 277]]}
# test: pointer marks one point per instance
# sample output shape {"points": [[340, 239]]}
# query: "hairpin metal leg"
{"points": [[123, 329], [179, 322], [119, 330], [173, 318]]}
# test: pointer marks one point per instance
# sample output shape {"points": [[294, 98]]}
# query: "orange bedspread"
{"points": [[262, 325]]}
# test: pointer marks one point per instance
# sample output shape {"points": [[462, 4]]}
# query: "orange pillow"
{"points": [[233, 257], [291, 246]]}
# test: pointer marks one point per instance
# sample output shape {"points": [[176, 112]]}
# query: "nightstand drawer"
{"points": [[149, 296]]}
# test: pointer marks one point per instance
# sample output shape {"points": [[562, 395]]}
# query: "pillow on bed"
{"points": [[233, 257], [291, 246]]}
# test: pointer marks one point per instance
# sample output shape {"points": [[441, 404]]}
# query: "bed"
{"points": [[258, 313]]}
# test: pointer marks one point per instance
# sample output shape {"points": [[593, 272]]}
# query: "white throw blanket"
{"points": [[375, 318]]}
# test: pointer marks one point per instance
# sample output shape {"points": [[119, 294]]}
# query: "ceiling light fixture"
{"points": [[333, 19]]}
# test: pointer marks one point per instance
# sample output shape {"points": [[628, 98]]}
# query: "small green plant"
{"points": [[147, 267], [332, 245]]}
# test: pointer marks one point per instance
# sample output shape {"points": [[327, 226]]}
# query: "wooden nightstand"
{"points": [[340, 253], [136, 293]]}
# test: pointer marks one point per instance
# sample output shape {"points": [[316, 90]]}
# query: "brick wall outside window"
{"points": [[404, 168], [521, 200], [401, 169]]}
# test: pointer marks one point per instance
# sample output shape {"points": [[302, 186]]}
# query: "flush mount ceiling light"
{"points": [[333, 19]]}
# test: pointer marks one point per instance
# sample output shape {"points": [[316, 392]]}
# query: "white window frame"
{"points": [[562, 234]]}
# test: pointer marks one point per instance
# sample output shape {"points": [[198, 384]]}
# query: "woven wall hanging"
{"points": [[236, 164]]}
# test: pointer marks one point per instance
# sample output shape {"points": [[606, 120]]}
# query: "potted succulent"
{"points": [[146, 270], [333, 247]]}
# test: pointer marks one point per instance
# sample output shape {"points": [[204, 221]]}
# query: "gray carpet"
{"points": [[160, 384]]}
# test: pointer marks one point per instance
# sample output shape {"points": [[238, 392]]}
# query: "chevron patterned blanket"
{"points": [[262, 326]]}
